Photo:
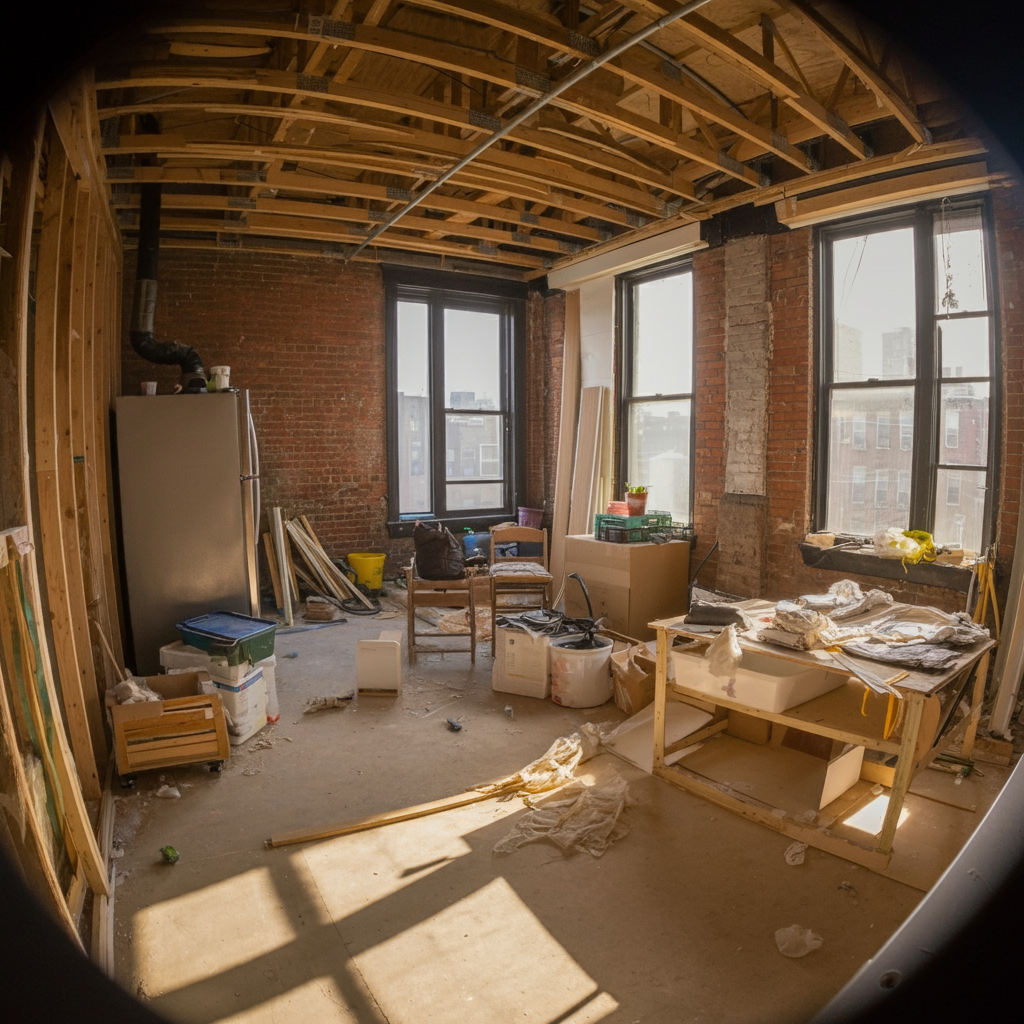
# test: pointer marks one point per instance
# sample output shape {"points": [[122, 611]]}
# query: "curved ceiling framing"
{"points": [[315, 126]]}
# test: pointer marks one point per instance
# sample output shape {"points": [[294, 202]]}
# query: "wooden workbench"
{"points": [[924, 729]]}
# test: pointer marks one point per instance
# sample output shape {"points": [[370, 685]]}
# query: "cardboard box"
{"points": [[836, 765], [185, 727], [629, 585], [633, 672]]}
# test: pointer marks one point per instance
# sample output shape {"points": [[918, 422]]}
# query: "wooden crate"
{"points": [[184, 728]]}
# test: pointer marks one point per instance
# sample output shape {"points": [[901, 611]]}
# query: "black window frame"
{"points": [[928, 420], [625, 321], [441, 290]]}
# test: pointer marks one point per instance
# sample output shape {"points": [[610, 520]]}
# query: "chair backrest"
{"points": [[503, 536]]}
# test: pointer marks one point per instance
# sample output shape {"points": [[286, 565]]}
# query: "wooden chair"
{"points": [[518, 574], [423, 593]]}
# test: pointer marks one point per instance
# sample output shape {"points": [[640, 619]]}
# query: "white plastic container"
{"points": [[521, 663], [761, 681], [581, 678]]}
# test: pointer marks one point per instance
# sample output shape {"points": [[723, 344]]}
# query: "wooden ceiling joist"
{"points": [[339, 122]]}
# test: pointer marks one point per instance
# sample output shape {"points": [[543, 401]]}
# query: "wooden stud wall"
{"points": [[62, 368]]}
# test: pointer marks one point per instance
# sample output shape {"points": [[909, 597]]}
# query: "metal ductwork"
{"points": [[193, 375]]}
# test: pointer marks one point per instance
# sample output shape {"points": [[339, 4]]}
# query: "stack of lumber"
{"points": [[314, 568]]}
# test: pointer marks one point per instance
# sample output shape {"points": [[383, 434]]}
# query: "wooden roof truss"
{"points": [[311, 126]]}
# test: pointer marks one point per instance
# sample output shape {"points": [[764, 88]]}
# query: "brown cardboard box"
{"points": [[183, 728], [629, 584], [633, 670]]}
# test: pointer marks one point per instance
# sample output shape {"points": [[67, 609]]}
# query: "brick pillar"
{"points": [[743, 509]]}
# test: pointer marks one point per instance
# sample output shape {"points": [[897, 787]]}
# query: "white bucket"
{"points": [[581, 678], [221, 377]]}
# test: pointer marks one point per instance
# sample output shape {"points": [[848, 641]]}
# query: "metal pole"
{"points": [[566, 83]]}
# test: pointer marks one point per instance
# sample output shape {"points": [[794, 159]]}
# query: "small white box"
{"points": [[379, 664], [761, 681], [521, 663]]}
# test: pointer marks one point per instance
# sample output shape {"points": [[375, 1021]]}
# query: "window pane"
{"points": [[662, 336], [873, 306], [882, 430], [413, 410], [965, 423], [473, 447], [472, 359], [861, 495], [964, 347], [473, 496], [959, 508], [659, 455], [959, 261]]}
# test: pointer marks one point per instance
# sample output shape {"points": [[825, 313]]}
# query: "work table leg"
{"points": [[904, 770], [660, 695]]}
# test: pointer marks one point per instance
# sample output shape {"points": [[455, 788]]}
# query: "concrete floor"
{"points": [[420, 922]]}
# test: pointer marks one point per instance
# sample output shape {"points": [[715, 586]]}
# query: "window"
{"points": [[656, 386], [907, 336], [882, 430], [454, 367], [881, 488]]}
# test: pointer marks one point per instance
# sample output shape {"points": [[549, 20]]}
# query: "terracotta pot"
{"points": [[636, 503]]}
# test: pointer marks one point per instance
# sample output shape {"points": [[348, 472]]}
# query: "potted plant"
{"points": [[636, 499]]}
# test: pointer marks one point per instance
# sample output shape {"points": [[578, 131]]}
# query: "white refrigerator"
{"points": [[188, 473]]}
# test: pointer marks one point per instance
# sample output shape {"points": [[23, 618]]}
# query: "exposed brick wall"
{"points": [[545, 344], [306, 337], [709, 405], [1008, 206]]}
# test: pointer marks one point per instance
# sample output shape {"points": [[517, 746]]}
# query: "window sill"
{"points": [[478, 524], [864, 562]]}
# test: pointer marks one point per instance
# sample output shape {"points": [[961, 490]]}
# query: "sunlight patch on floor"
{"points": [[203, 933], [352, 872], [483, 959], [871, 816]]}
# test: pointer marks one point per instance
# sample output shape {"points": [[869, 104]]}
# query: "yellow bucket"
{"points": [[369, 569]]}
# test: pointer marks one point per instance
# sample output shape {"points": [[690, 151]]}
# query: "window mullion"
{"points": [[926, 403], [439, 441]]}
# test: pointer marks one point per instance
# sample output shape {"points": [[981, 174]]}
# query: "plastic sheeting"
{"points": [[586, 820]]}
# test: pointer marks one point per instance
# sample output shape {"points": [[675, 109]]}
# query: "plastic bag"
{"points": [[796, 941], [908, 545], [724, 653]]}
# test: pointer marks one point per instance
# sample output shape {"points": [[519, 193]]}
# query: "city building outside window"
{"points": [[656, 319], [907, 336]]}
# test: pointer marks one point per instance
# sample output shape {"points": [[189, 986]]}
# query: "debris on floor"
{"points": [[555, 768], [290, 654], [794, 854], [795, 941], [315, 704], [585, 820], [454, 725], [169, 854], [168, 792]]}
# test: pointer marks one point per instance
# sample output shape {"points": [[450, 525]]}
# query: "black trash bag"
{"points": [[439, 553]]}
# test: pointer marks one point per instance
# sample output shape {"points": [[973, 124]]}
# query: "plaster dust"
{"points": [[420, 922]]}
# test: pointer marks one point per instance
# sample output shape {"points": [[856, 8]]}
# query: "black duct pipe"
{"points": [[144, 301]]}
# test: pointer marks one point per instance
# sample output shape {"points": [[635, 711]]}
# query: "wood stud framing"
{"points": [[303, 130]]}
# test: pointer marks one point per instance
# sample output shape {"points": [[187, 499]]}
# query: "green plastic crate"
{"points": [[230, 635]]}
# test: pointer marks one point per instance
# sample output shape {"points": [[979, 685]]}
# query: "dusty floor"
{"points": [[420, 922]]}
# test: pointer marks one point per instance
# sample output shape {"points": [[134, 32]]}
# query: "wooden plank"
{"points": [[904, 770], [76, 817], [41, 870], [585, 469], [282, 574], [351, 825], [54, 253], [275, 579]]}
